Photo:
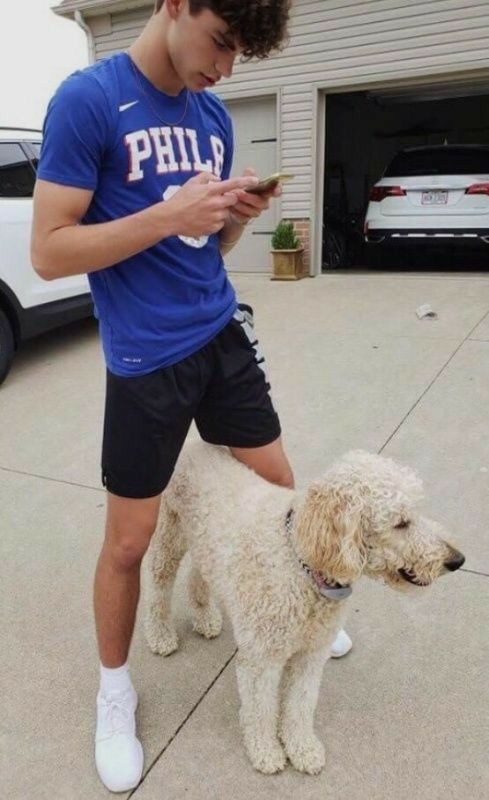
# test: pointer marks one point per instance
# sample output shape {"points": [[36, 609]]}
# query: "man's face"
{"points": [[201, 49]]}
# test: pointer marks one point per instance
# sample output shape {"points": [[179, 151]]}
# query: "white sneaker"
{"points": [[118, 753], [341, 645]]}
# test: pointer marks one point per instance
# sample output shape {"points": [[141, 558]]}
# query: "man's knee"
{"points": [[280, 475], [285, 478], [130, 526], [127, 551]]}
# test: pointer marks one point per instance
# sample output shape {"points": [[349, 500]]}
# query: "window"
{"points": [[36, 146], [439, 161], [16, 174], [36, 151]]}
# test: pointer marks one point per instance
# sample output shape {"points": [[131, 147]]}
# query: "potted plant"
{"points": [[287, 253]]}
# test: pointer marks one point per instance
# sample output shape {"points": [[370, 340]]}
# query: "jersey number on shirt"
{"points": [[189, 240]]}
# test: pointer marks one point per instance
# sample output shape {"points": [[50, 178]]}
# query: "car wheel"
{"points": [[7, 346]]}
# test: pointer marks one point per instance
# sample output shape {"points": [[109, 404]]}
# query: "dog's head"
{"points": [[362, 518]]}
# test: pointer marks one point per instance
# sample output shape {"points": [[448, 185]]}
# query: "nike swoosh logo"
{"points": [[128, 105]]}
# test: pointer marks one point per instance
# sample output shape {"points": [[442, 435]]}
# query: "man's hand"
{"points": [[250, 206], [201, 206]]}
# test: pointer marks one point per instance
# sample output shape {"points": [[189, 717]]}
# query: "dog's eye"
{"points": [[404, 523]]}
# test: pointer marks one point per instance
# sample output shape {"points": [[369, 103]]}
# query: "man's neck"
{"points": [[150, 54]]}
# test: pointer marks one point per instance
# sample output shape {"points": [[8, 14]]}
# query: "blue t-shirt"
{"points": [[106, 130]]}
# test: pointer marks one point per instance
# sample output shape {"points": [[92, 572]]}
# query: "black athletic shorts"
{"points": [[223, 387]]}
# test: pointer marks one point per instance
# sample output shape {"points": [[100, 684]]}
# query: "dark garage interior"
{"points": [[364, 130]]}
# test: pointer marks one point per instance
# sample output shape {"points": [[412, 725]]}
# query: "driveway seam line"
{"points": [[475, 572], [432, 382], [47, 478], [182, 724]]}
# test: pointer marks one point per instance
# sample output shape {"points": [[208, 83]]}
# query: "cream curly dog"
{"points": [[281, 562]]}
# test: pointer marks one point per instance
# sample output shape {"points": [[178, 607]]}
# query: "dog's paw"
{"points": [[208, 622], [306, 755], [161, 639], [268, 758]]}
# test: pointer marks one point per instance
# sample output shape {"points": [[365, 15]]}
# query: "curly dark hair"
{"points": [[260, 26]]}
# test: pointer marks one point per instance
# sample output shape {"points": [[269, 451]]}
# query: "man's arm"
{"points": [[61, 246]]}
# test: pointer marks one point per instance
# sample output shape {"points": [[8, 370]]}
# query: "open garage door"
{"points": [[255, 145], [365, 130]]}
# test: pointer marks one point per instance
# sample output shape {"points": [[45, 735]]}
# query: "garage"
{"points": [[255, 144], [364, 131]]}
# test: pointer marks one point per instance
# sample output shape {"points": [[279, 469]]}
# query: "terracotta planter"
{"points": [[288, 265]]}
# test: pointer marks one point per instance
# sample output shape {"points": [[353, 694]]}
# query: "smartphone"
{"points": [[269, 184]]}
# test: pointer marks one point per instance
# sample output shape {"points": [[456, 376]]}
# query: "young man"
{"points": [[134, 190]]}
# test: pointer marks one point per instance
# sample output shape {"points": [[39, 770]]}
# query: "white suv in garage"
{"points": [[430, 196], [28, 305]]}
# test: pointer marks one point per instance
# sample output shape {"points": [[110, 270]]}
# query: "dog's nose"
{"points": [[455, 562]]}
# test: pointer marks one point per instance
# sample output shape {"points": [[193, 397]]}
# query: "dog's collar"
{"points": [[333, 591]]}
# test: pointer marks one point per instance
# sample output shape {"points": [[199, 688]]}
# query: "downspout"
{"points": [[79, 19]]}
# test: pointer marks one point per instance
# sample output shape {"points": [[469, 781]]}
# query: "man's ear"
{"points": [[329, 534], [174, 7]]}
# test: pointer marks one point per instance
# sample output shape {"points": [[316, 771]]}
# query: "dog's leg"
{"points": [[259, 693], [207, 619], [300, 691], [165, 552]]}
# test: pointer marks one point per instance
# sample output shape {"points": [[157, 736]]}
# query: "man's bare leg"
{"points": [[130, 526], [269, 461]]}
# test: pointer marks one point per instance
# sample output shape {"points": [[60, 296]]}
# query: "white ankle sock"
{"points": [[114, 680]]}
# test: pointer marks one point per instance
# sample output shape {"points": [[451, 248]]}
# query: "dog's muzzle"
{"points": [[455, 561]]}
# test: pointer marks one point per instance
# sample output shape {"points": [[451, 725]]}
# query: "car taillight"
{"points": [[378, 193], [478, 188]]}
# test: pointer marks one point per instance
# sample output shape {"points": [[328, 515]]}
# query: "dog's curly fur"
{"points": [[360, 518]]}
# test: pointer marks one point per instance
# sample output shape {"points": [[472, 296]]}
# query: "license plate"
{"points": [[434, 198]]}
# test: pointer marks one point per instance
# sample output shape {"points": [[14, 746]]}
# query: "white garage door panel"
{"points": [[255, 145]]}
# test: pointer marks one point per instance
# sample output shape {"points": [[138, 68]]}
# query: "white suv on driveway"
{"points": [[28, 305], [430, 196]]}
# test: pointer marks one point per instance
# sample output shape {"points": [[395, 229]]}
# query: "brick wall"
{"points": [[303, 229]]}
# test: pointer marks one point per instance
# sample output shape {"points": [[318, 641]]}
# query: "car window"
{"points": [[16, 173], [449, 161], [36, 149]]}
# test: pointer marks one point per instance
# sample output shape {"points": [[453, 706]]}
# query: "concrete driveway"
{"points": [[404, 715]]}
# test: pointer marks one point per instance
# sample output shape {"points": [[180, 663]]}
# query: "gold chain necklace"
{"points": [[150, 102]]}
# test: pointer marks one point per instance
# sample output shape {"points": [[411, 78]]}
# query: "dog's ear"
{"points": [[329, 533]]}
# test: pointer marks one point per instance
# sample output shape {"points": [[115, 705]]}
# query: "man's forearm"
{"points": [[79, 249]]}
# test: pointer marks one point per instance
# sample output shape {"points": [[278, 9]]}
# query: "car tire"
{"points": [[7, 346]]}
